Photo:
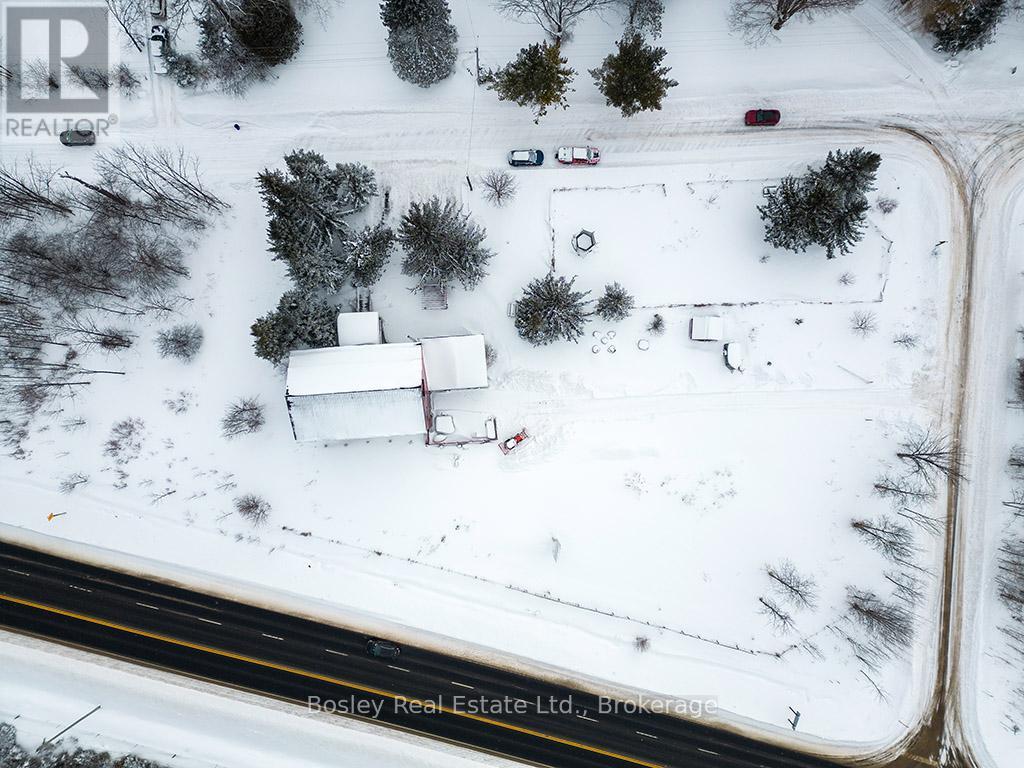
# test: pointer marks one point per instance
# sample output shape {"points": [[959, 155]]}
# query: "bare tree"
{"points": [[499, 187], [931, 454], [889, 625], [780, 619], [125, 441], [642, 643], [798, 590], [906, 340], [243, 418], [863, 323], [253, 508], [888, 536], [1016, 502], [757, 19], [72, 481], [29, 192], [556, 17], [908, 586]]}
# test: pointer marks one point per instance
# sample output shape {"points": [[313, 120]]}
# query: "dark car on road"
{"points": [[77, 138], [383, 649], [520, 157], [762, 117]]}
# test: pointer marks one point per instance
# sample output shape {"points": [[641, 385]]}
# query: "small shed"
{"points": [[355, 328], [454, 362], [584, 242]]}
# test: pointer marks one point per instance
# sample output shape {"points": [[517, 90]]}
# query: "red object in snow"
{"points": [[507, 445], [757, 117]]}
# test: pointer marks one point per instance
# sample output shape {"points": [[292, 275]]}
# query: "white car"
{"points": [[710, 328], [158, 49], [735, 355], [578, 155]]}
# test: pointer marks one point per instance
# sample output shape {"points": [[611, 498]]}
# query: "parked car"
{"points": [[382, 649], [735, 355], [158, 9], [578, 155], [77, 138], [519, 157], [760, 117], [158, 49], [708, 328]]}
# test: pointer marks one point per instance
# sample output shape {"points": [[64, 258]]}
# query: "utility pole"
{"points": [[61, 733], [795, 719], [477, 52]]}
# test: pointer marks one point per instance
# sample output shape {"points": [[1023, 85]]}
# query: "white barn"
{"points": [[366, 389]]}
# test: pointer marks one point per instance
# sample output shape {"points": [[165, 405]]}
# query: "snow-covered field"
{"points": [[658, 484]]}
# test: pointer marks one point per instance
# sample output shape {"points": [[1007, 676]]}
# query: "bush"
{"points": [[243, 418], [657, 325], [616, 304], [182, 342], [186, 70], [253, 508]]}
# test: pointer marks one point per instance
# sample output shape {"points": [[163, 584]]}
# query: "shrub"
{"points": [[616, 304], [243, 418], [253, 508], [182, 342]]}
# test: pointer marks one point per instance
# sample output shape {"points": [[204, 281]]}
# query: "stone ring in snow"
{"points": [[597, 334], [643, 345], [612, 349], [611, 334], [595, 349], [604, 339]]}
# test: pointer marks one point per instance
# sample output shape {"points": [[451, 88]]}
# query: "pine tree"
{"points": [[442, 244], [826, 207], [299, 322], [422, 41], [633, 79], [551, 309], [965, 25], [538, 78], [368, 253], [307, 206], [615, 304]]}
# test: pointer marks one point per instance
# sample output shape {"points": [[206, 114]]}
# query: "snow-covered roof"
{"points": [[358, 328], [363, 368], [357, 415], [455, 362]]}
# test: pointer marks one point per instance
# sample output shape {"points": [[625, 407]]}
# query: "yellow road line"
{"points": [[325, 678]]}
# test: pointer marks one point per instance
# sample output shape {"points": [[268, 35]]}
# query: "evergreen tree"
{"points": [[615, 303], [442, 244], [307, 206], [965, 25], [633, 79], [368, 253], [240, 44], [551, 309], [422, 41], [826, 207], [538, 77], [299, 322]]}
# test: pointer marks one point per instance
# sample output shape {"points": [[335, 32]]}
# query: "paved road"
{"points": [[293, 658]]}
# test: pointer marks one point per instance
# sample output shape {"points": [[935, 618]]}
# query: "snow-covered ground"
{"points": [[184, 723], [667, 481]]}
